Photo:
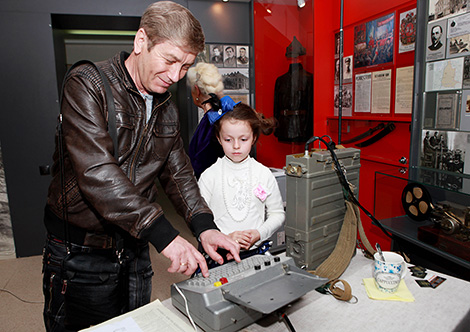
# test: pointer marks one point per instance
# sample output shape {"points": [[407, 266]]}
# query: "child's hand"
{"points": [[243, 238], [254, 236]]}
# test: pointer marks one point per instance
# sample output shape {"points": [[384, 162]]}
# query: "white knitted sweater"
{"points": [[243, 196]]}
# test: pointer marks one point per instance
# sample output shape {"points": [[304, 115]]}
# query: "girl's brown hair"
{"points": [[242, 112]]}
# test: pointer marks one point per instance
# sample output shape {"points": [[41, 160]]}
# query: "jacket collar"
{"points": [[119, 61]]}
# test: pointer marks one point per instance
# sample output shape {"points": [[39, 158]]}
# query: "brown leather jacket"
{"points": [[102, 191]]}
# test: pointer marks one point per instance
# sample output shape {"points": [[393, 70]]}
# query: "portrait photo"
{"points": [[217, 55], [243, 58], [435, 41], [230, 58]]}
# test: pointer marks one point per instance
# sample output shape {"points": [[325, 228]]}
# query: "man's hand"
{"points": [[213, 239], [184, 257]]}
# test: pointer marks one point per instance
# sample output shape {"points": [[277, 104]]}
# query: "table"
{"points": [[440, 309]]}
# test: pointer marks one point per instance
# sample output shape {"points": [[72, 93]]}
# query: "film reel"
{"points": [[416, 201]]}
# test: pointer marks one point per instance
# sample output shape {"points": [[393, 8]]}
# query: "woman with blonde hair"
{"points": [[207, 88]]}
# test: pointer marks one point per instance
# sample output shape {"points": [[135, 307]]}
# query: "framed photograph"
{"points": [[446, 110], [436, 39], [439, 9], [217, 54], [230, 57], [347, 69], [204, 55], [337, 45], [236, 80], [445, 150], [337, 63], [243, 56], [347, 100], [458, 46]]}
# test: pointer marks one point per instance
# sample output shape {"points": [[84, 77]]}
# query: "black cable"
{"points": [[287, 320], [344, 182]]}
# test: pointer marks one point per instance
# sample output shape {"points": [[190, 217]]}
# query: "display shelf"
{"points": [[422, 234], [407, 229], [430, 177]]}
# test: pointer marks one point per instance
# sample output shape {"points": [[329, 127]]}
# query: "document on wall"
{"points": [[381, 90], [153, 317], [444, 75], [459, 25], [362, 92], [446, 112], [404, 90]]}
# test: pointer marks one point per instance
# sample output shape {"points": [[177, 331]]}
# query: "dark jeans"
{"points": [[135, 292]]}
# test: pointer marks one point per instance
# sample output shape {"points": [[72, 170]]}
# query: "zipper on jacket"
{"points": [[133, 165]]}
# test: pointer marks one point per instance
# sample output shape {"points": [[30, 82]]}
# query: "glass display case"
{"points": [[427, 212]]}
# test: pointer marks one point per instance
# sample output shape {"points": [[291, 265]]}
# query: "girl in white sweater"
{"points": [[242, 193]]}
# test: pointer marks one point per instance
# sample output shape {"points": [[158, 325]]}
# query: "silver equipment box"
{"points": [[315, 204], [259, 285]]}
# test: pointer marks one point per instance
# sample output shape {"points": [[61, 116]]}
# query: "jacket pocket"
{"points": [[126, 131]]}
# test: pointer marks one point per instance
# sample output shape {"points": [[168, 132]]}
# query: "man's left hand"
{"points": [[213, 239]]}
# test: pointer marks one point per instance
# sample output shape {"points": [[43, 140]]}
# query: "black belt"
{"points": [[364, 134], [77, 235], [387, 130]]}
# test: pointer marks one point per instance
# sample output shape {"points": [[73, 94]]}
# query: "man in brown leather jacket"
{"points": [[98, 266]]}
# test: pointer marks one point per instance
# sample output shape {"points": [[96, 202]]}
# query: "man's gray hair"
{"points": [[169, 21]]}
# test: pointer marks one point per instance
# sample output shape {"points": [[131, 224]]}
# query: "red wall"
{"points": [[273, 33], [315, 26]]}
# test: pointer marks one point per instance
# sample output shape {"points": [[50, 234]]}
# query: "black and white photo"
{"points": [[458, 46], [236, 80], [230, 58], [217, 55], [444, 150], [440, 8], [204, 55], [243, 58], [436, 40]]}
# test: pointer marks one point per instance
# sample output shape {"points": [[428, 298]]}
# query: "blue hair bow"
{"points": [[226, 105]]}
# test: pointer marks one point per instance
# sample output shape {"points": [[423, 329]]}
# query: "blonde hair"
{"points": [[169, 21], [207, 78]]}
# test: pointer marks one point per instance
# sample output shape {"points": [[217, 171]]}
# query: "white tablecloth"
{"points": [[440, 309]]}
